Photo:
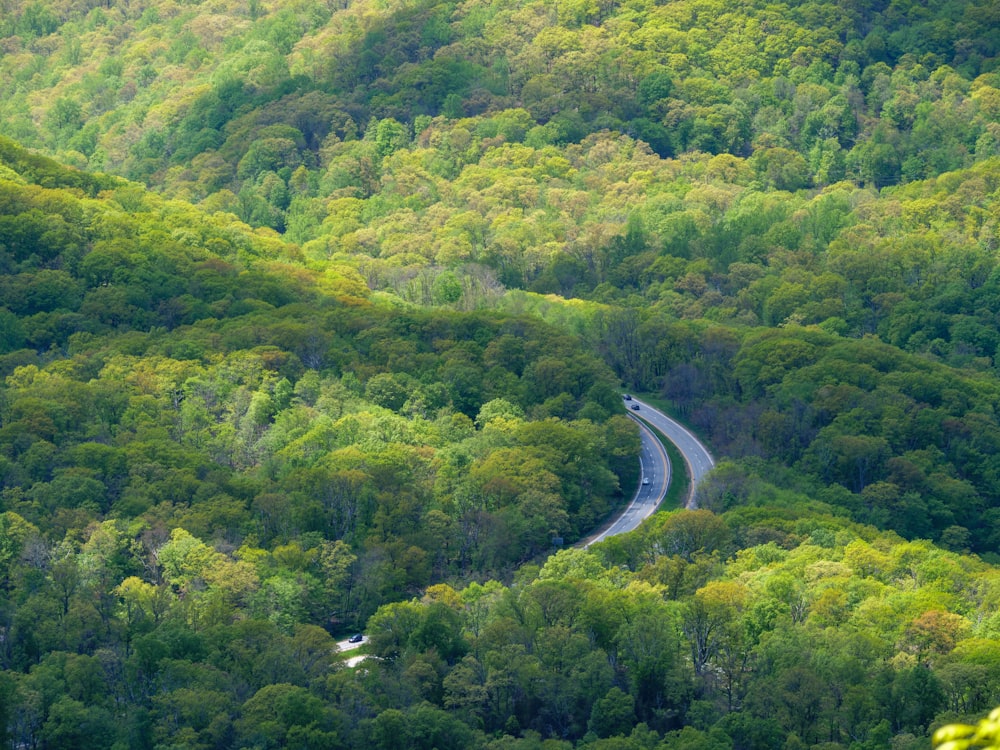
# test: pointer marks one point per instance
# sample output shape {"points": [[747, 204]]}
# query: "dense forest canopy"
{"points": [[315, 316]]}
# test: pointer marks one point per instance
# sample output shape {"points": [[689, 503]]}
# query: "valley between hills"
{"points": [[316, 317]]}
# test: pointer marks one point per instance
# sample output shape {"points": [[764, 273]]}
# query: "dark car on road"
{"points": [[356, 638]]}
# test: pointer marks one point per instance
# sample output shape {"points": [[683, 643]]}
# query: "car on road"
{"points": [[635, 407], [645, 480], [627, 397], [356, 638]]}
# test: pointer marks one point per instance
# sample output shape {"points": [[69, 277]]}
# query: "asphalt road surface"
{"points": [[699, 461], [655, 469], [346, 645], [654, 480], [353, 661]]}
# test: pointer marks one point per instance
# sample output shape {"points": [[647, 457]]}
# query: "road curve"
{"points": [[699, 461], [653, 466]]}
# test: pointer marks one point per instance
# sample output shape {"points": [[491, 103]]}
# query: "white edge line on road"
{"points": [[634, 503], [690, 504]]}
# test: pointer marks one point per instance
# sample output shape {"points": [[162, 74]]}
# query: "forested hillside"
{"points": [[173, 380], [314, 318]]}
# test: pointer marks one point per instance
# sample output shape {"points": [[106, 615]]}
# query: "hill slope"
{"points": [[319, 368]]}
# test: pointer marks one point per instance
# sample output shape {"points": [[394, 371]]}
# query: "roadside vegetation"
{"points": [[315, 316]]}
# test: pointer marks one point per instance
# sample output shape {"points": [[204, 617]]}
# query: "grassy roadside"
{"points": [[680, 477]]}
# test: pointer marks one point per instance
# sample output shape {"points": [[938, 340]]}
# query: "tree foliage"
{"points": [[346, 353]]}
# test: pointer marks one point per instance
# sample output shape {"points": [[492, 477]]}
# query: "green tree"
{"points": [[71, 724], [612, 715]]}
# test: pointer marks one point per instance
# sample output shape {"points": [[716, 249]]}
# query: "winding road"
{"points": [[654, 473], [655, 468], [699, 461]]}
